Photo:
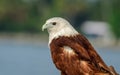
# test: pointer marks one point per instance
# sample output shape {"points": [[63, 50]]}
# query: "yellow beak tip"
{"points": [[43, 27]]}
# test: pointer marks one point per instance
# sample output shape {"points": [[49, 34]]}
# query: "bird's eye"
{"points": [[54, 23]]}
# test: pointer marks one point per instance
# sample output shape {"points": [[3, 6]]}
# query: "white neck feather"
{"points": [[66, 31]]}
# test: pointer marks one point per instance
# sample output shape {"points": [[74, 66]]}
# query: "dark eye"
{"points": [[54, 23]]}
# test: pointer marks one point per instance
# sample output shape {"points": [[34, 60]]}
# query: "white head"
{"points": [[58, 26]]}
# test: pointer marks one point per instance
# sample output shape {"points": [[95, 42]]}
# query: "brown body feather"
{"points": [[83, 61]]}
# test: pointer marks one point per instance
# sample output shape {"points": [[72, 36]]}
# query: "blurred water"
{"points": [[34, 59]]}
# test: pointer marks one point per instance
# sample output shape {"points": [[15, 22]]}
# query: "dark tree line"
{"points": [[29, 15]]}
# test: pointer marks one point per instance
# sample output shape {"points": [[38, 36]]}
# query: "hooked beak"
{"points": [[44, 27]]}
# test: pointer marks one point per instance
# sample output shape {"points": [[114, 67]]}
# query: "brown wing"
{"points": [[84, 49]]}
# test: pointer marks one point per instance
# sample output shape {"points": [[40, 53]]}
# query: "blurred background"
{"points": [[23, 46]]}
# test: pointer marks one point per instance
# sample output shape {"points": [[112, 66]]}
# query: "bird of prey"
{"points": [[71, 52]]}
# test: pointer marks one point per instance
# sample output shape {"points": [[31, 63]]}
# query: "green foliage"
{"points": [[17, 15], [115, 19], [29, 15]]}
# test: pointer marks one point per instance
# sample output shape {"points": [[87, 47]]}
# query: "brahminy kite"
{"points": [[71, 52]]}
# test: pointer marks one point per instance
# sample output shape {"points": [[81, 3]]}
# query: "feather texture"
{"points": [[82, 60]]}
